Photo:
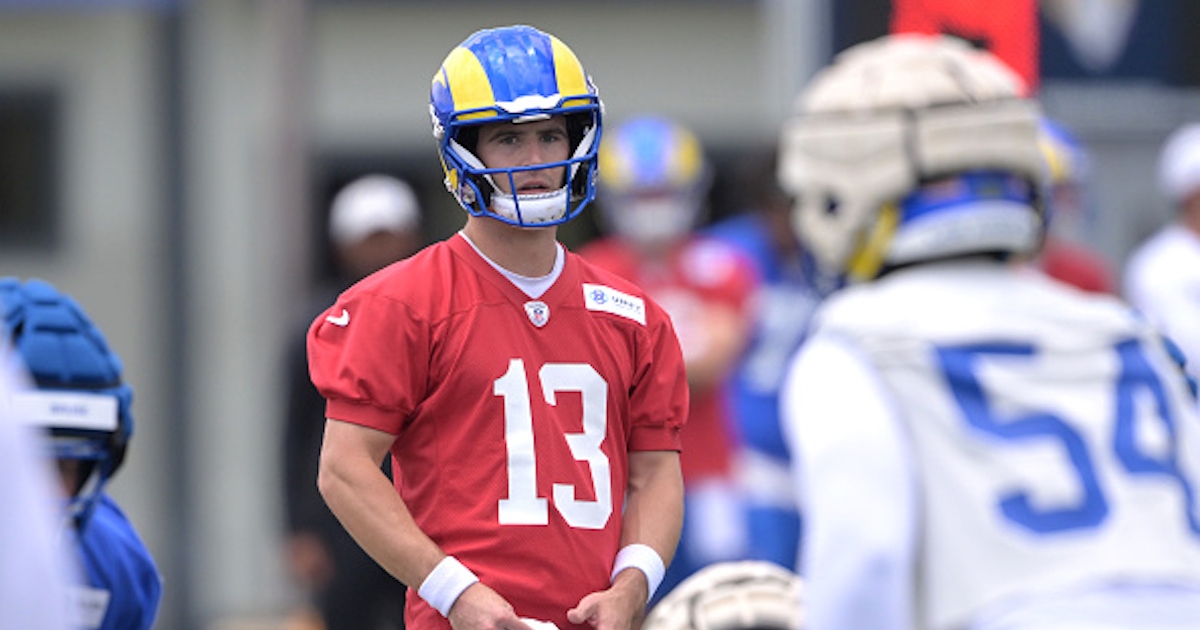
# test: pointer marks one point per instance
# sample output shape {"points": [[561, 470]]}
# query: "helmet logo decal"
{"points": [[539, 313]]}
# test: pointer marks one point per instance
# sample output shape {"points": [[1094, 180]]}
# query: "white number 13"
{"points": [[523, 506]]}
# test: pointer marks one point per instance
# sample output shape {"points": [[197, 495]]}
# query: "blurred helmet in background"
{"points": [[1068, 172], [911, 148], [654, 180], [78, 394]]}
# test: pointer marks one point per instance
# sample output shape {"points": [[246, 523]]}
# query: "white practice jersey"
{"points": [[1162, 279], [976, 442]]}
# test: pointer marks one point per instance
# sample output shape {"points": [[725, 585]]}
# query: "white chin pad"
{"points": [[655, 220], [534, 209]]}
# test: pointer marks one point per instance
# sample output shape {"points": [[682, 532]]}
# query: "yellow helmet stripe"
{"points": [[689, 158], [1056, 159], [471, 88], [569, 72]]}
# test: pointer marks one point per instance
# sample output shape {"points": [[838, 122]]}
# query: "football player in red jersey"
{"points": [[531, 403]]}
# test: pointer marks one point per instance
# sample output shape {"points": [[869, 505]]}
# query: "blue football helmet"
{"points": [[653, 180], [78, 395], [514, 74], [1068, 170]]}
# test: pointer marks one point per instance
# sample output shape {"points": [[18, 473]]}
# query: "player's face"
{"points": [[507, 145]]}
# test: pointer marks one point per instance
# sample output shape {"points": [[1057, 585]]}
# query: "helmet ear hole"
{"points": [[577, 127], [468, 138], [831, 206]]}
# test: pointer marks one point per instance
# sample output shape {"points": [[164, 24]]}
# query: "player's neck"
{"points": [[528, 252]]}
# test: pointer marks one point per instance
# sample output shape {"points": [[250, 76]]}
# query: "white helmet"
{"points": [[740, 595], [888, 117]]}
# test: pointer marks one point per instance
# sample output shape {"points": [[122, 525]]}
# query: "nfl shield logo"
{"points": [[538, 313]]}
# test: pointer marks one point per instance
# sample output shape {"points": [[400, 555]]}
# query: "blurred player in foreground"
{"points": [[79, 398], [34, 566], [531, 403], [654, 182], [979, 447]]}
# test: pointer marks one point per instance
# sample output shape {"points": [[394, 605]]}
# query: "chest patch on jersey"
{"points": [[597, 297], [539, 313]]}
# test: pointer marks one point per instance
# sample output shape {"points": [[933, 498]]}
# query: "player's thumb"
{"points": [[583, 611]]}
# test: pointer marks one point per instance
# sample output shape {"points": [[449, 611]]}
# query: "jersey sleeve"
{"points": [[659, 400], [364, 357], [856, 487]]}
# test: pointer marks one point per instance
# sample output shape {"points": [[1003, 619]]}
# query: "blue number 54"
{"points": [[1137, 374]]}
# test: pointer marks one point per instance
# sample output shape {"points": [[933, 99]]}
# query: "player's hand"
{"points": [[621, 607], [481, 608]]}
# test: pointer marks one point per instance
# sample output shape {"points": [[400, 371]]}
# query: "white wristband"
{"points": [[643, 558], [445, 583]]}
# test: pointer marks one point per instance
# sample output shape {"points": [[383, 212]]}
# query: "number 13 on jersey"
{"points": [[523, 506]]}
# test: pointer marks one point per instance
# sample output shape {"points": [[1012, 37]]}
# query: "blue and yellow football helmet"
{"points": [[1068, 172], [78, 395], [654, 179], [517, 74]]}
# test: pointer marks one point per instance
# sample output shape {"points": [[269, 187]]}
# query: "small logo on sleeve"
{"points": [[597, 297], [341, 320]]}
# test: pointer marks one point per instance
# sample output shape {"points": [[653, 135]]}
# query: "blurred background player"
{"points": [[653, 186], [531, 401], [80, 400], [374, 221], [1162, 276], [736, 595], [34, 564], [1068, 254], [978, 447], [787, 297]]}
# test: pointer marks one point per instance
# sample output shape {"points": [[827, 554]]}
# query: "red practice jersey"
{"points": [[513, 417], [695, 274], [1076, 265]]}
